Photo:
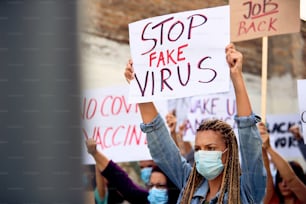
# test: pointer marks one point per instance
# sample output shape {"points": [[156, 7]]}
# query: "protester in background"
{"points": [[161, 189], [295, 130], [185, 147], [146, 167], [130, 191], [216, 177], [104, 192], [290, 179]]}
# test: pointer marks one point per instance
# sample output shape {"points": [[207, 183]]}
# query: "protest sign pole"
{"points": [[264, 77]]}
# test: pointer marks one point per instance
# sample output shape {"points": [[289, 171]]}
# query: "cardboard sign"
{"points": [[180, 54], [301, 87], [258, 18], [115, 125]]}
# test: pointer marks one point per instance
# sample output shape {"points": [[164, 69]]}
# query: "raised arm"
{"points": [[148, 110], [270, 186], [116, 176], [284, 168], [253, 177], [101, 160], [295, 130], [162, 148], [235, 60]]}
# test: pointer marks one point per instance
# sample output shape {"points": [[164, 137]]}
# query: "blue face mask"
{"points": [[158, 196], [145, 174], [209, 163]]}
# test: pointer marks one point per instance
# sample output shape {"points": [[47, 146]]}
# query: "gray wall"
{"points": [[39, 103]]}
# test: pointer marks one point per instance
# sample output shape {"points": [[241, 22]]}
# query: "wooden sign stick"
{"points": [[264, 78]]}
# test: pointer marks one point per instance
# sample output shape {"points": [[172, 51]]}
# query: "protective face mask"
{"points": [[158, 196], [209, 163], [145, 174]]}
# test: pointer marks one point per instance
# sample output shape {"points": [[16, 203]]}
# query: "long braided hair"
{"points": [[231, 172]]}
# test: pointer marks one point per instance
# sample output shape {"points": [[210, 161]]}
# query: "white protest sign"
{"points": [[115, 125], [180, 54], [301, 87], [281, 139]]}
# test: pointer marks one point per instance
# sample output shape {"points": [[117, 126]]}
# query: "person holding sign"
{"points": [[216, 176], [290, 183], [161, 190]]}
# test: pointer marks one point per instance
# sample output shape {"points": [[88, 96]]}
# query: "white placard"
{"points": [[180, 54]]}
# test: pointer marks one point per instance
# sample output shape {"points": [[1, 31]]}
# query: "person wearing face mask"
{"points": [[216, 176], [161, 189], [145, 170], [290, 182], [130, 191]]}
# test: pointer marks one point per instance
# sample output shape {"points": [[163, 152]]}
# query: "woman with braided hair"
{"points": [[216, 176]]}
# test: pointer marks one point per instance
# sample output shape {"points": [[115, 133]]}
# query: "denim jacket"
{"points": [[167, 156]]}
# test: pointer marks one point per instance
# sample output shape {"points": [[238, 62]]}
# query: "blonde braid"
{"points": [[193, 182], [231, 173]]}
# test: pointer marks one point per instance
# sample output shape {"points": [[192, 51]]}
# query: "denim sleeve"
{"points": [[165, 153], [253, 178]]}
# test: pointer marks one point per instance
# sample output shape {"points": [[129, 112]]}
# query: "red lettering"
{"points": [[180, 52], [115, 134], [272, 21], [258, 26], [98, 138], [161, 59], [135, 137], [103, 105], [167, 57], [109, 129], [152, 57], [242, 28], [86, 134], [116, 105], [89, 110]]}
